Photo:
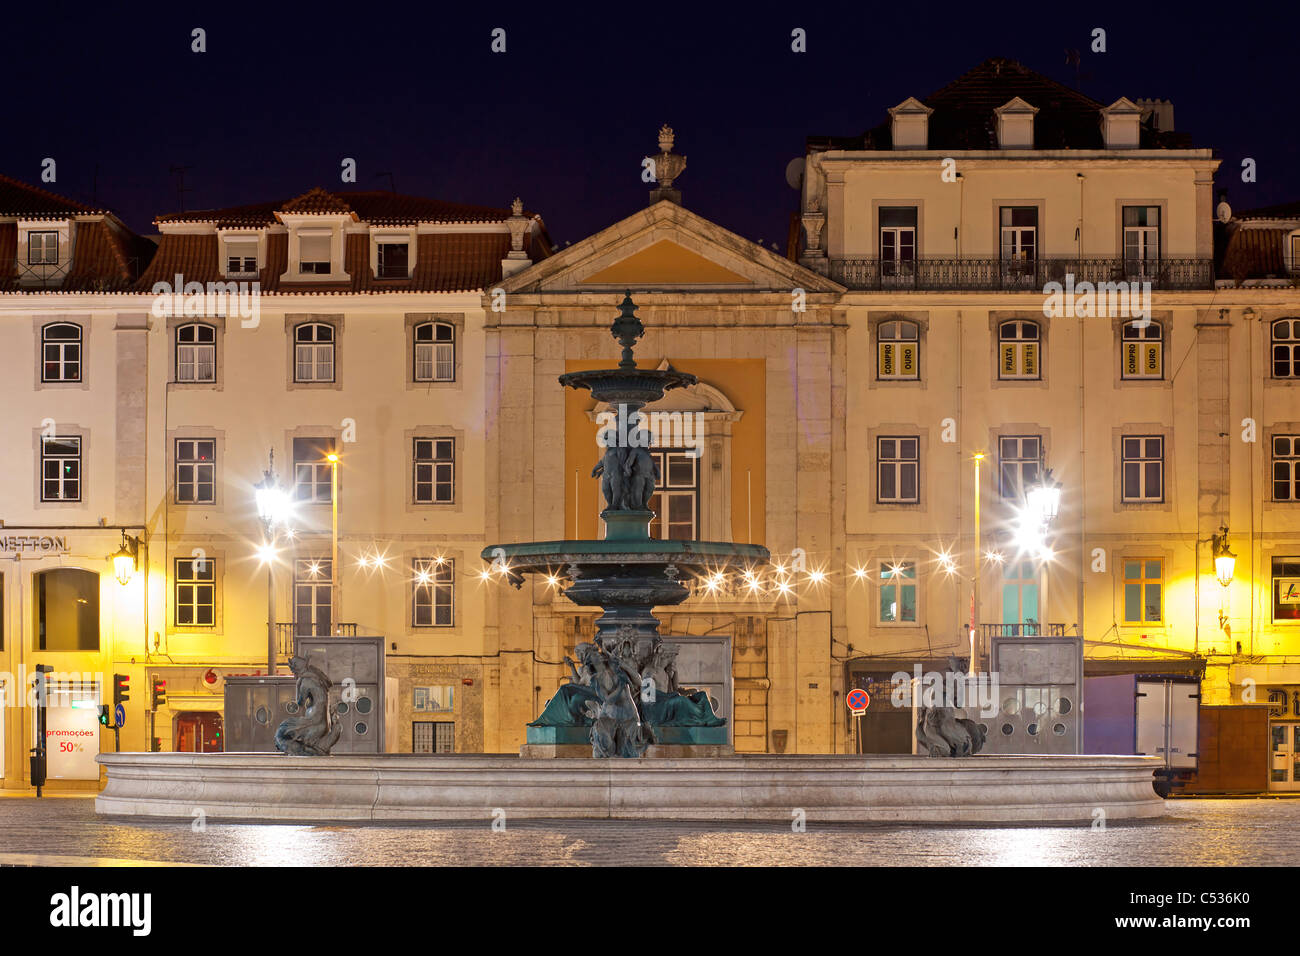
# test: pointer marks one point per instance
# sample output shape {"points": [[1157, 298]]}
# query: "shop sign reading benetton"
{"points": [[33, 544]]}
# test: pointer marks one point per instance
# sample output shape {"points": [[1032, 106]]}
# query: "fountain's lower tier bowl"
{"points": [[764, 788]]}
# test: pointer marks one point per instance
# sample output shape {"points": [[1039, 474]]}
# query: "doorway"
{"points": [[1284, 756], [199, 732]]}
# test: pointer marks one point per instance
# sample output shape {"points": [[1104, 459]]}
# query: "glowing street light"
{"points": [[1225, 562], [124, 559], [1044, 499]]}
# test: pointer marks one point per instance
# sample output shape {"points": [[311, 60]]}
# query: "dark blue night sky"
{"points": [[564, 117]]}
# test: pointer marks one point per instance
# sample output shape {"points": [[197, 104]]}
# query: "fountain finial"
{"points": [[627, 329]]}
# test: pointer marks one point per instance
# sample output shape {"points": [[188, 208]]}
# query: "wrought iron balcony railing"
{"points": [[1030, 629], [287, 633], [966, 273], [31, 275]]}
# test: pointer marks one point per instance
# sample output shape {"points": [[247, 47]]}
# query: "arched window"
{"points": [[435, 352], [66, 610], [898, 350], [313, 352], [1286, 348], [196, 353], [1019, 341], [1142, 350], [61, 352]]}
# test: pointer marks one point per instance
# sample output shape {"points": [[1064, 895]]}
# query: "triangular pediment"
{"points": [[666, 248]]}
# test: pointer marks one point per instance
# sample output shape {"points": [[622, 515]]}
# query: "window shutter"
{"points": [[314, 248]]}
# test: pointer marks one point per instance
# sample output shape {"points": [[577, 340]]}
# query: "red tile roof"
{"points": [[1256, 254], [1287, 210], [31, 202], [376, 207]]}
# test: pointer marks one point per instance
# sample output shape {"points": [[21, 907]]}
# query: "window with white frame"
{"points": [[898, 464], [1019, 235], [1019, 349], [196, 471], [1286, 348], [61, 468], [1142, 350], [313, 352], [196, 592], [676, 500], [898, 350], [1142, 474], [312, 587], [898, 592], [435, 352], [314, 253], [897, 242], [1141, 239], [1286, 467], [434, 463], [312, 469], [1020, 464], [241, 257], [61, 352], [196, 352], [42, 248], [1293, 251], [433, 581], [393, 260]]}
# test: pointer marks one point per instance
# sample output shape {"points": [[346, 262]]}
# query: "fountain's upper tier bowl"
{"points": [[627, 385], [693, 558]]}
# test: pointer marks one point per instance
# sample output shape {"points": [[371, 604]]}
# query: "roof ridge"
{"points": [[51, 195]]}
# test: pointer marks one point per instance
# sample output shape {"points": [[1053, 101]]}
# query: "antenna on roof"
{"points": [[181, 188], [392, 184]]}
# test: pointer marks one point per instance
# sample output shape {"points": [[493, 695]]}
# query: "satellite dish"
{"points": [[794, 173], [1224, 211]]}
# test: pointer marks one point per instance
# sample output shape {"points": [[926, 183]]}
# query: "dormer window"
{"points": [[393, 259], [1016, 124], [42, 248], [314, 252], [241, 257]]}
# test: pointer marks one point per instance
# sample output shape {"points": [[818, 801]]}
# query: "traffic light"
{"points": [[103, 714], [159, 695], [121, 688]]}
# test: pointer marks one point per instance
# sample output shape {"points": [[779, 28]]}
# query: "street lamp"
{"points": [[1044, 498], [333, 459], [1225, 562], [124, 559], [974, 667], [273, 508]]}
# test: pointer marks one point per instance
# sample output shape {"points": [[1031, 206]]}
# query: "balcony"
{"points": [[1030, 629], [26, 276], [984, 274], [287, 633]]}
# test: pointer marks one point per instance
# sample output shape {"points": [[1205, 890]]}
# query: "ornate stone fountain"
{"points": [[623, 694]]}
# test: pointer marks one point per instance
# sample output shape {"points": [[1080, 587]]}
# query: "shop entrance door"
{"points": [[1284, 756]]}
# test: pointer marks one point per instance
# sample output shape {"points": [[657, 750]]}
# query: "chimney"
{"points": [[667, 167], [1159, 112]]}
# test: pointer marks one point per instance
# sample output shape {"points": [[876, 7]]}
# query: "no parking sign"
{"points": [[858, 700]]}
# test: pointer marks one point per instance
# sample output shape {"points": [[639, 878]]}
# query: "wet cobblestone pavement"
{"points": [[1256, 832]]}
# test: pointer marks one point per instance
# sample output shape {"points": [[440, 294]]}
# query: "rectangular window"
{"points": [[435, 352], [61, 469], [1019, 234], [898, 593], [897, 244], [676, 501], [196, 471], [898, 350], [314, 255], [435, 471], [43, 248], [1286, 467], [312, 469], [1143, 585], [196, 592], [1020, 463], [433, 737], [1142, 350], [61, 352], [1142, 468], [392, 260], [241, 257], [437, 699], [1141, 240], [432, 582], [898, 463], [1018, 350], [312, 590], [1286, 590]]}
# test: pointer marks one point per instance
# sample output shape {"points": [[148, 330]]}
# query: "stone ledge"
{"points": [[765, 788]]}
